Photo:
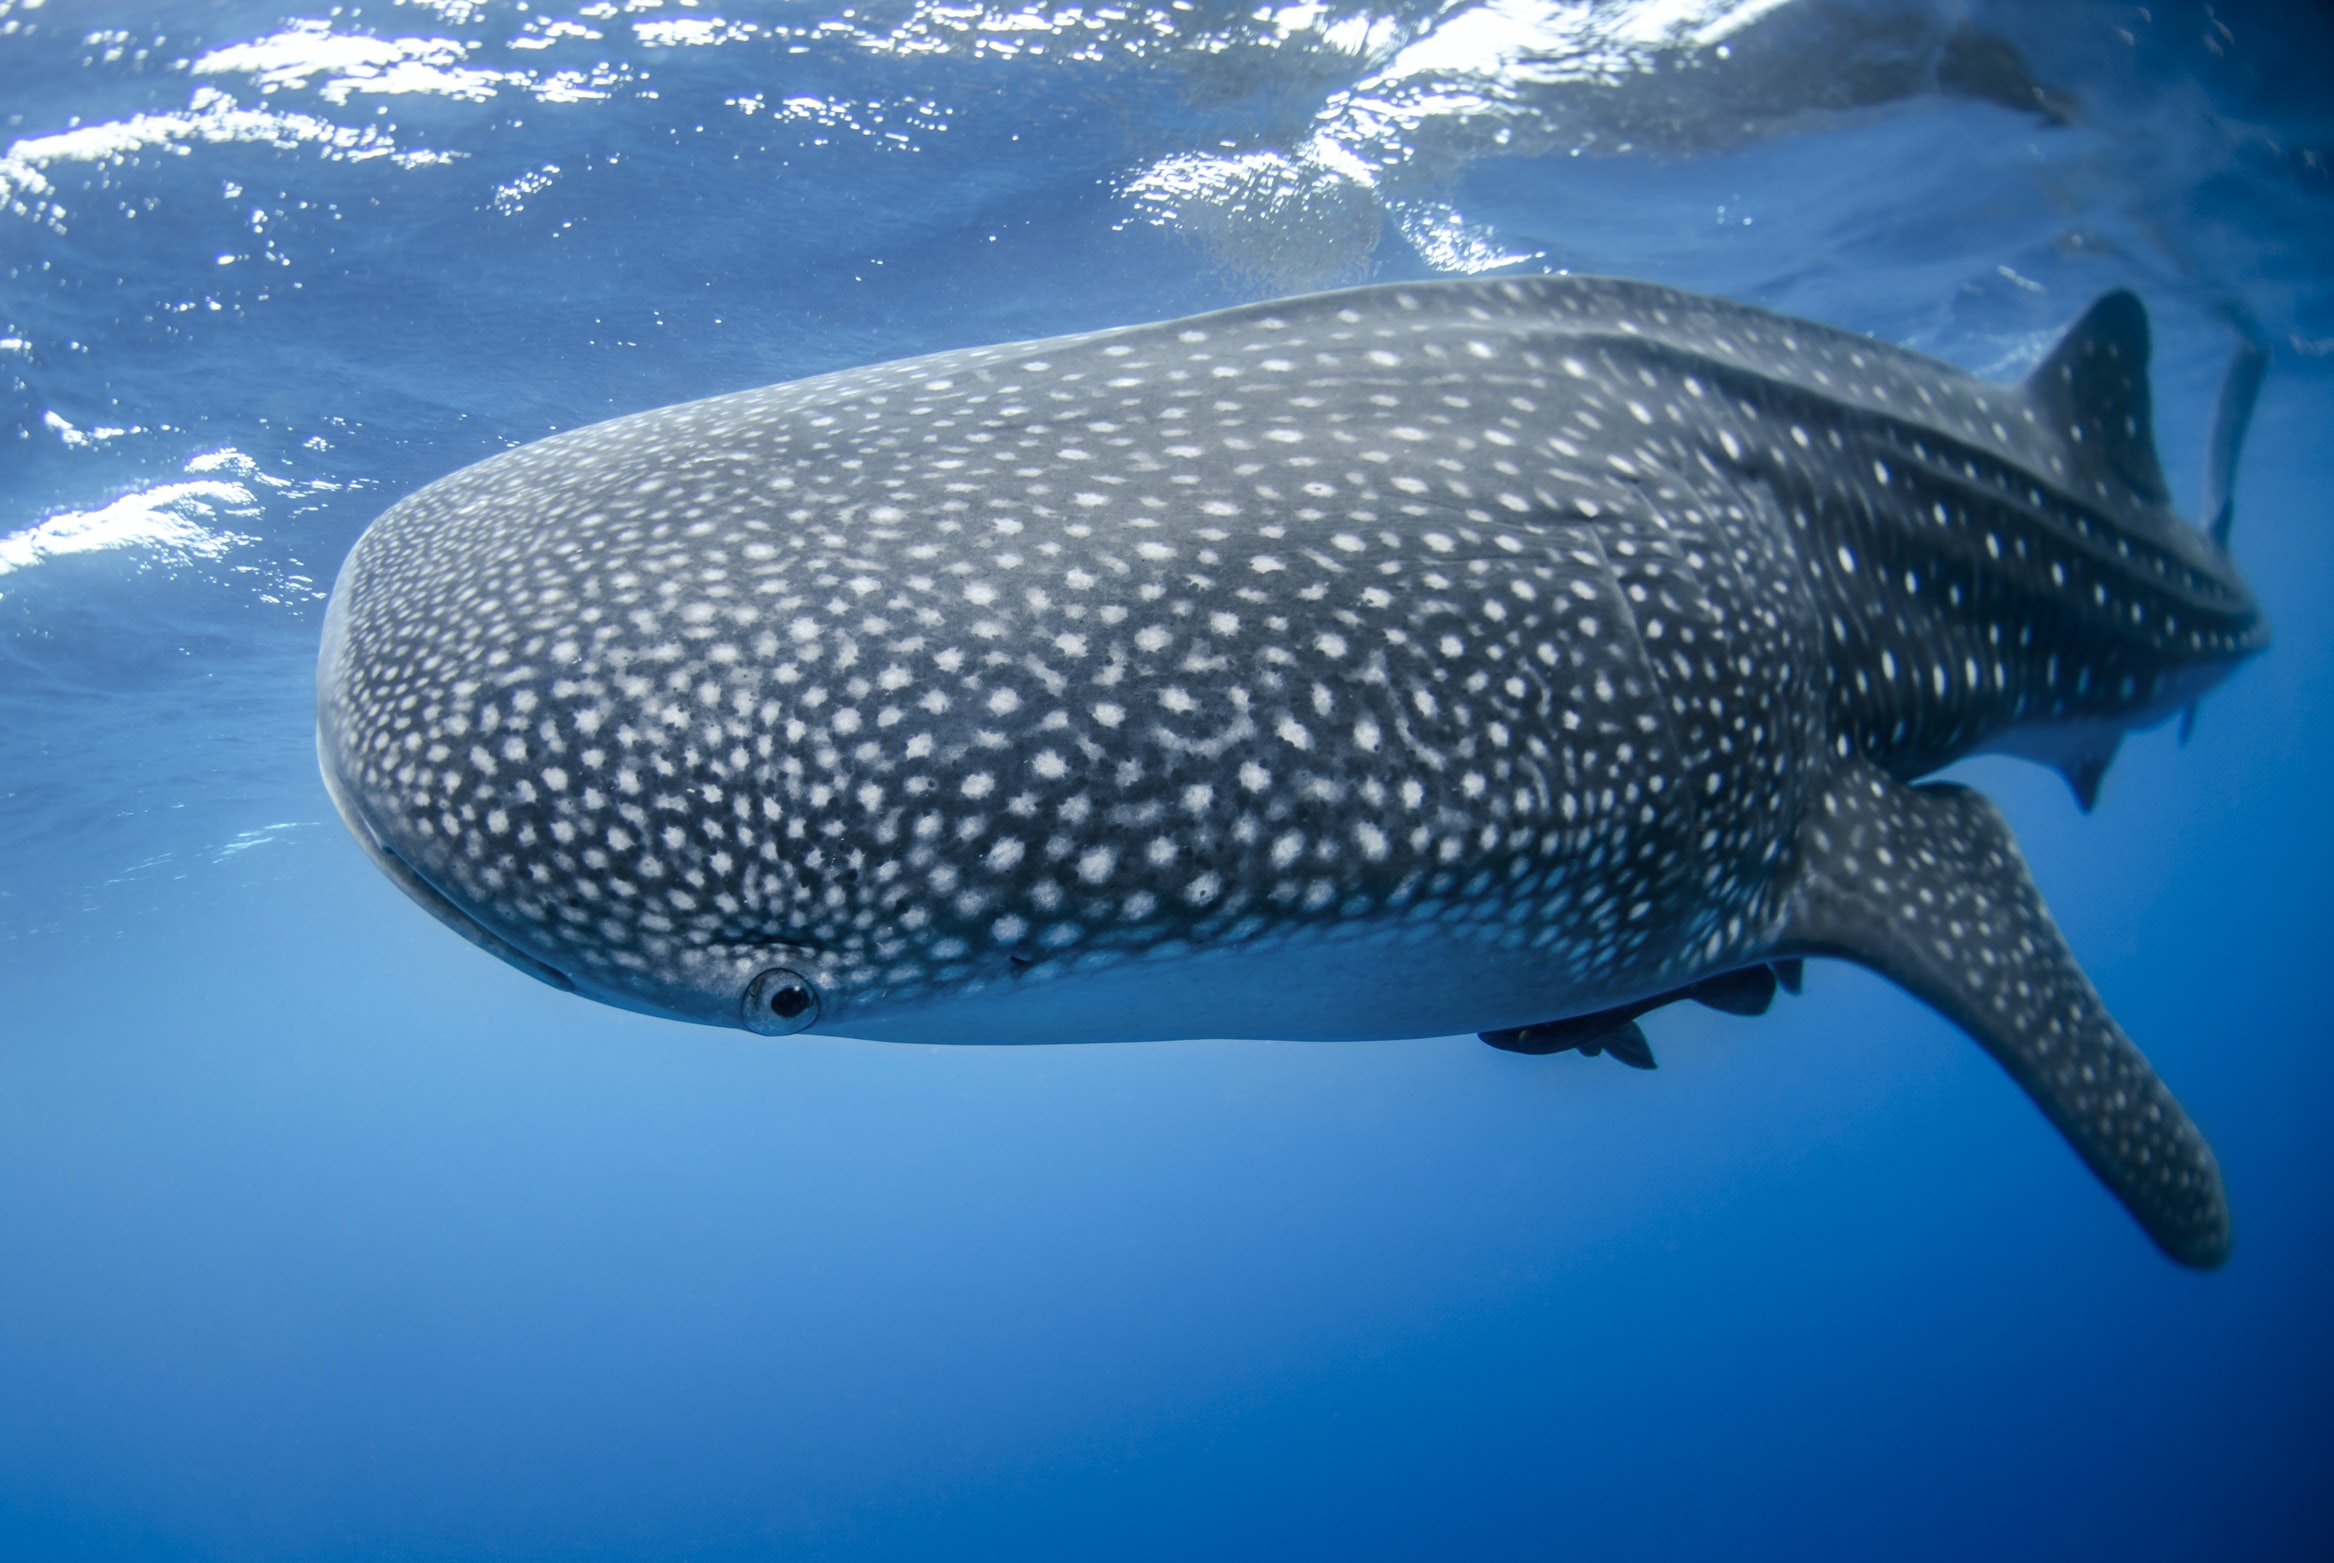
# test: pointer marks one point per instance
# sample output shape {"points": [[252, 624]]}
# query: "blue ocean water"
{"points": [[324, 1236]]}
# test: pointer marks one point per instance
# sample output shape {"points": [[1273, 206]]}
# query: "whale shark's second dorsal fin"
{"points": [[1924, 886], [2093, 389]]}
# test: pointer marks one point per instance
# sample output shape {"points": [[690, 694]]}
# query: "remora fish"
{"points": [[1506, 656]]}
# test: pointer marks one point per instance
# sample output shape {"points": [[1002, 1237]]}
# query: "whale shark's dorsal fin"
{"points": [[2093, 388], [1924, 886]]}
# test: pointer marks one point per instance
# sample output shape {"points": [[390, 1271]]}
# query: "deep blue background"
{"points": [[323, 1236]]}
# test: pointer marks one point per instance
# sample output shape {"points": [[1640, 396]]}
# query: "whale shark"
{"points": [[1508, 656]]}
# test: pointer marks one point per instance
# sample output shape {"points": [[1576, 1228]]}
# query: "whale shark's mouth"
{"points": [[428, 895]]}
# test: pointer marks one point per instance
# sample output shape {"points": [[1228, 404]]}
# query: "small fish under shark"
{"points": [[1510, 656]]}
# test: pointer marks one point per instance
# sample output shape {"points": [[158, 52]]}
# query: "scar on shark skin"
{"points": [[1509, 656]]}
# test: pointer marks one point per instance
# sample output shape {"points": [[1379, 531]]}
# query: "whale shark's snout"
{"points": [[1505, 656], [763, 986]]}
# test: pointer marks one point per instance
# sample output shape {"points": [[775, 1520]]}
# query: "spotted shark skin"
{"points": [[1408, 660]]}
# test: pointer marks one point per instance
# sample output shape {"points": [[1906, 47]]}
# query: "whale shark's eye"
{"points": [[780, 1002]]}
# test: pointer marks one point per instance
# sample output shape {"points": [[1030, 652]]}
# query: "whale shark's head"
{"points": [[623, 718], [1047, 691]]}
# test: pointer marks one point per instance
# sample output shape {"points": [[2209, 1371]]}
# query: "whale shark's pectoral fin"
{"points": [[1925, 886]]}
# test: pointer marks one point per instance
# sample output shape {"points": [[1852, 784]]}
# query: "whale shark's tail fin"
{"points": [[2230, 421], [1925, 886], [2093, 387]]}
